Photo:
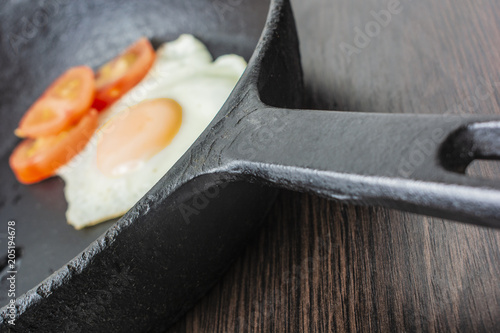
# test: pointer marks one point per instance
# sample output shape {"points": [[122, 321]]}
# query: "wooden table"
{"points": [[318, 265]]}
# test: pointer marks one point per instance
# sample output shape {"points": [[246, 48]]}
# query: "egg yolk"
{"points": [[135, 135]]}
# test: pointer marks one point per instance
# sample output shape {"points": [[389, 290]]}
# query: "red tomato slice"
{"points": [[34, 160], [122, 73], [62, 105]]}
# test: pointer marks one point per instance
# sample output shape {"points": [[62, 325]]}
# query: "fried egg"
{"points": [[143, 134]]}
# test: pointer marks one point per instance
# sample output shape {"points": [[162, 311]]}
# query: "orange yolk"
{"points": [[135, 135]]}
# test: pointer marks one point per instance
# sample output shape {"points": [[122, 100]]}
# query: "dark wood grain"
{"points": [[320, 266]]}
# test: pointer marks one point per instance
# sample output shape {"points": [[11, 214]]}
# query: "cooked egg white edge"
{"points": [[183, 71]]}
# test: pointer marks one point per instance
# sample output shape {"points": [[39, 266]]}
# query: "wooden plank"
{"points": [[320, 266]]}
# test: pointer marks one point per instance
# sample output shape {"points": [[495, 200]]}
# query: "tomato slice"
{"points": [[36, 159], [122, 73], [62, 105]]}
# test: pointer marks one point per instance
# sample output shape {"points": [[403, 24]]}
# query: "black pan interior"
{"points": [[39, 40]]}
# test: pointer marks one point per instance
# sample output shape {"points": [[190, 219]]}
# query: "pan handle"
{"points": [[414, 163]]}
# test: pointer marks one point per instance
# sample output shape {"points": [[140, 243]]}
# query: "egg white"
{"points": [[184, 71]]}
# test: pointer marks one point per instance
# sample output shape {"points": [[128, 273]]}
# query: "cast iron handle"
{"points": [[409, 162]]}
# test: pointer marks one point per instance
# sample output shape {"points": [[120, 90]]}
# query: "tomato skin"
{"points": [[62, 104], [62, 120], [34, 160], [122, 73]]}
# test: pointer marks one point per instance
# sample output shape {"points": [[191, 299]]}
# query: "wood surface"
{"points": [[321, 266]]}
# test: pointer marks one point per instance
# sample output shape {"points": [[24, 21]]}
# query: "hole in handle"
{"points": [[478, 141], [485, 169]]}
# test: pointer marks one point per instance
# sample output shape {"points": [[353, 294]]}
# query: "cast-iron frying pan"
{"points": [[153, 264]]}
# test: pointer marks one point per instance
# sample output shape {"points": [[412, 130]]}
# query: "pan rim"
{"points": [[82, 260]]}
